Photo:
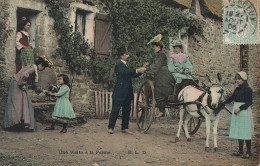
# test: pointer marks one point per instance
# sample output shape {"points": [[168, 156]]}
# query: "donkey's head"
{"points": [[215, 96], [215, 92]]}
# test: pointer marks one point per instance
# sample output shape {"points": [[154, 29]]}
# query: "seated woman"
{"points": [[163, 81], [181, 68]]}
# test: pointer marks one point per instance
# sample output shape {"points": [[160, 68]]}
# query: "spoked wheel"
{"points": [[145, 106], [193, 125]]}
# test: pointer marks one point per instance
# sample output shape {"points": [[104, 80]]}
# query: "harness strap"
{"points": [[216, 110], [198, 105], [208, 102]]}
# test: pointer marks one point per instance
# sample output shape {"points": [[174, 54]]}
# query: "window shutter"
{"points": [[103, 29]]}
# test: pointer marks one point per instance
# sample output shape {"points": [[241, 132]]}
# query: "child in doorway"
{"points": [[63, 110]]}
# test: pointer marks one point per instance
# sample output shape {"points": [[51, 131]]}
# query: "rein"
{"points": [[200, 100]]}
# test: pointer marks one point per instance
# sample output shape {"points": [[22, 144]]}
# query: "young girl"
{"points": [[24, 51], [241, 126], [63, 110]]}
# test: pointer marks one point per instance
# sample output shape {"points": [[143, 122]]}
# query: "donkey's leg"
{"points": [[207, 132], [185, 126], [180, 123], [215, 133]]}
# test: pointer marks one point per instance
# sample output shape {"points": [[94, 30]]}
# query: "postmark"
{"points": [[240, 22]]}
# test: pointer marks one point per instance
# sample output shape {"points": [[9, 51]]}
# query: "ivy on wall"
{"points": [[134, 23], [4, 30], [72, 45]]}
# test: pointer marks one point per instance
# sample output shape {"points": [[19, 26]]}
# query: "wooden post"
{"points": [[106, 101], [134, 107], [103, 103], [110, 102], [96, 101], [100, 104]]}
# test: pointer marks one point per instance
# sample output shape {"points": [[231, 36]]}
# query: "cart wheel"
{"points": [[193, 125], [145, 106]]}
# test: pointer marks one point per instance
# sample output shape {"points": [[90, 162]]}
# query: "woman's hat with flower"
{"points": [[157, 38], [48, 62], [176, 43]]}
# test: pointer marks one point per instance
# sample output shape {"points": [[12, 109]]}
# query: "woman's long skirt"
{"points": [[19, 109]]}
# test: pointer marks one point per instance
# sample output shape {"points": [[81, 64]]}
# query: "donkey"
{"points": [[201, 102]]}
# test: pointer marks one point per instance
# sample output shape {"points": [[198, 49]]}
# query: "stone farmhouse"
{"points": [[90, 17]]}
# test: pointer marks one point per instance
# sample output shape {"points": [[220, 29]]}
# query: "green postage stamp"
{"points": [[241, 21]]}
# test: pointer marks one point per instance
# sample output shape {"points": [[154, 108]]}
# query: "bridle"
{"points": [[209, 100]]}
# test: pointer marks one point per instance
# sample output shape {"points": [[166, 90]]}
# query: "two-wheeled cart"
{"points": [[146, 108]]}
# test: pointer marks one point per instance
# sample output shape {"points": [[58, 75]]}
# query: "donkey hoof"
{"points": [[215, 149], [207, 149], [177, 139], [189, 139]]}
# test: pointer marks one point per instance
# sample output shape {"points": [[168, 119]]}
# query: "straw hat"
{"points": [[48, 62], [155, 39], [176, 43]]}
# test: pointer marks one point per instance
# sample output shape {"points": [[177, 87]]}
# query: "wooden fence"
{"points": [[103, 102]]}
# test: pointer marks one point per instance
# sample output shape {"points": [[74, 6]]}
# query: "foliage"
{"points": [[135, 22], [4, 30], [102, 70], [71, 44]]}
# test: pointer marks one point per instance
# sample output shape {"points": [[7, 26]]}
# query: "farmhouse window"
{"points": [[80, 22], [102, 39]]}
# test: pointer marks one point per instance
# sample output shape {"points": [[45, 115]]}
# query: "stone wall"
{"points": [[208, 56], [45, 43], [212, 56], [254, 67]]}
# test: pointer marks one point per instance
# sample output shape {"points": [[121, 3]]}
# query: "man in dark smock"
{"points": [[163, 79]]}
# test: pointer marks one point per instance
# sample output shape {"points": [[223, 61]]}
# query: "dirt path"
{"points": [[90, 144]]}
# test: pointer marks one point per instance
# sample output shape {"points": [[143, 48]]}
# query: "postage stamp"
{"points": [[241, 21]]}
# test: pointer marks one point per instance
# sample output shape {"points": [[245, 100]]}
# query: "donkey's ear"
{"points": [[207, 76], [208, 90], [219, 77]]}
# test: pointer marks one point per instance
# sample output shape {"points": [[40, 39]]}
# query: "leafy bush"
{"points": [[135, 22], [72, 45]]}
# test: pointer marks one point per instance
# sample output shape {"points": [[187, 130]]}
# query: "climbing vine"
{"points": [[71, 44], [134, 23], [4, 30]]}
